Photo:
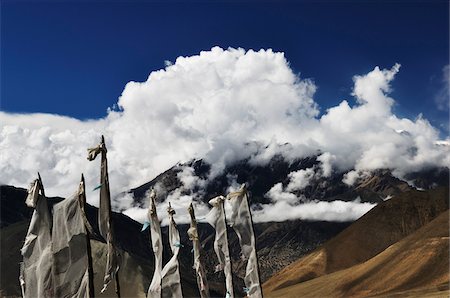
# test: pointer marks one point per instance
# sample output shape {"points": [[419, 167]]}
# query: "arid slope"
{"points": [[381, 227], [417, 266]]}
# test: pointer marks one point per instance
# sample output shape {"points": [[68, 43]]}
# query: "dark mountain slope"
{"points": [[134, 273], [374, 187]]}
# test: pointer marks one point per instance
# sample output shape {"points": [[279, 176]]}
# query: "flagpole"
{"points": [[202, 281], [105, 222], [88, 244], [117, 284]]}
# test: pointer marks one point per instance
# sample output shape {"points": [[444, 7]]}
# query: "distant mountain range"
{"points": [[373, 187]]}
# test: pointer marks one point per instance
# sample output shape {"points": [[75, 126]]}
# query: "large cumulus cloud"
{"points": [[221, 105]]}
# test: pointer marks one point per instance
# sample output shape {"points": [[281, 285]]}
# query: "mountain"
{"points": [[383, 226], [416, 266], [373, 187], [278, 245]]}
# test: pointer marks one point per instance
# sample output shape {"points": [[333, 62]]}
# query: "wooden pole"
{"points": [[117, 284], [88, 242], [104, 152]]}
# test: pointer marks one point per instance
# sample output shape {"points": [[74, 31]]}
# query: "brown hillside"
{"points": [[417, 266], [381, 227]]}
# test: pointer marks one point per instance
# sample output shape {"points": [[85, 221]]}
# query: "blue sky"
{"points": [[74, 58]]}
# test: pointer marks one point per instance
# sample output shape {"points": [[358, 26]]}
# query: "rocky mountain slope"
{"points": [[378, 231]]}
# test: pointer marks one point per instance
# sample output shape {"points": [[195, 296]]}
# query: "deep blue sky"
{"points": [[74, 58]]}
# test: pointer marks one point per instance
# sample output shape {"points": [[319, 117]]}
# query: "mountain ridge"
{"points": [[373, 186]]}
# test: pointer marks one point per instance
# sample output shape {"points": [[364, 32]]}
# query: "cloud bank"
{"points": [[221, 105], [314, 211]]}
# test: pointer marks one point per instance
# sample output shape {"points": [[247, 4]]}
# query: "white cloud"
{"points": [[365, 136], [326, 211], [220, 105], [300, 179], [326, 163], [53, 145], [189, 179], [288, 206], [277, 194], [351, 177]]}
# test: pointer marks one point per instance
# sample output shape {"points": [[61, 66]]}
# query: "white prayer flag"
{"points": [[154, 291], [171, 286], [69, 246], [216, 218], [241, 222], [104, 216], [36, 278], [55, 255]]}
